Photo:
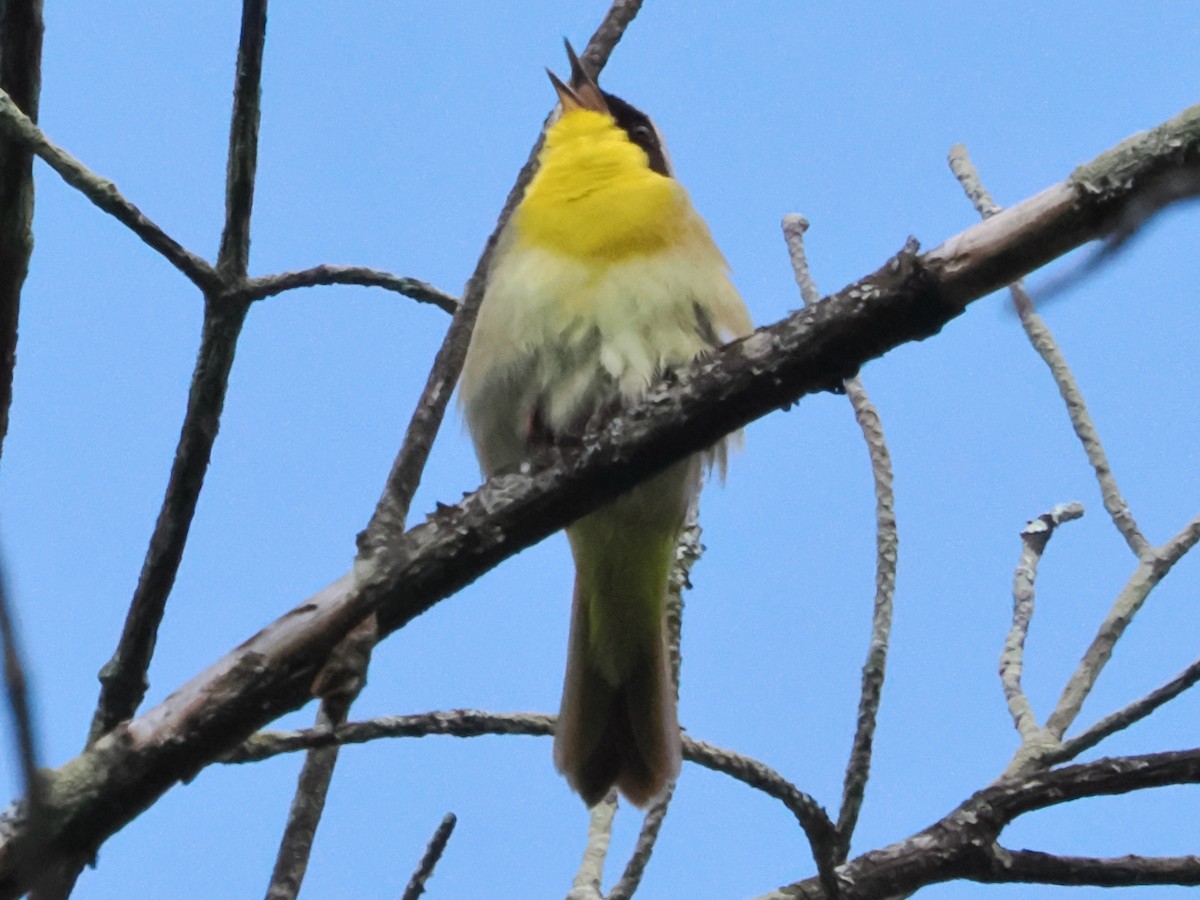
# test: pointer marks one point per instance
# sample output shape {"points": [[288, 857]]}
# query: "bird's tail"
{"points": [[618, 722]]}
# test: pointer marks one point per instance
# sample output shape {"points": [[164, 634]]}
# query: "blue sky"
{"points": [[391, 134]]}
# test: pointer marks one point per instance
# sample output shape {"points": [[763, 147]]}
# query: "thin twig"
{"points": [[464, 723], [887, 548], [104, 194], [21, 31], [431, 857], [233, 259], [271, 285], [304, 815], [1126, 716], [590, 875], [338, 685], [635, 868], [1150, 571], [1034, 538], [1040, 336], [391, 512], [858, 766]]}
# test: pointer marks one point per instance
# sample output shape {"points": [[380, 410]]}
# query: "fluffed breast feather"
{"points": [[559, 338]]}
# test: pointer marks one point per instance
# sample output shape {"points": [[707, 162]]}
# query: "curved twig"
{"points": [[272, 285], [467, 723], [858, 766], [1034, 538]]}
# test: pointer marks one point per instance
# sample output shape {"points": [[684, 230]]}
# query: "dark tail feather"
{"points": [[625, 734]]}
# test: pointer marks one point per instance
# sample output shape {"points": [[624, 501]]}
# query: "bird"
{"points": [[604, 280]]}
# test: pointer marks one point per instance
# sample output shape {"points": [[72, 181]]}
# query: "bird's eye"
{"points": [[642, 134]]}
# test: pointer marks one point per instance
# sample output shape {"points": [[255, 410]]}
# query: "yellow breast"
{"points": [[595, 198]]}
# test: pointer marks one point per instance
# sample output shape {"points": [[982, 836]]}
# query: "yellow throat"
{"points": [[595, 197]]}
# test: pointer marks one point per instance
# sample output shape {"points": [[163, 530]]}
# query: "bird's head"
{"points": [[582, 93]]}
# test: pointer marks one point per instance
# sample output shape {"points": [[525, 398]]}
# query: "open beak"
{"points": [[582, 92]]}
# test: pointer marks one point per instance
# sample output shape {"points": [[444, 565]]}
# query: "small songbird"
{"points": [[604, 279]]}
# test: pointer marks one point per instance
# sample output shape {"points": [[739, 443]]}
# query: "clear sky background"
{"points": [[391, 134]]}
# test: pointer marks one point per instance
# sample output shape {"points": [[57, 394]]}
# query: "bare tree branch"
{"points": [[429, 860], [1174, 549], [1042, 746], [16, 689], [464, 723], [21, 31], [817, 826], [815, 348]]}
